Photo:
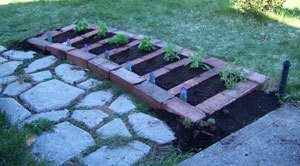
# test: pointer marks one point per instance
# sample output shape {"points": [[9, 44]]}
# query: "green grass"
{"points": [[13, 148], [261, 43]]}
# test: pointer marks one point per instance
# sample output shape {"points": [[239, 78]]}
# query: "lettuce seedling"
{"points": [[171, 53], [146, 45]]}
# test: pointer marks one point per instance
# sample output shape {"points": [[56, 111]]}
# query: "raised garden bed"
{"points": [[206, 93]]}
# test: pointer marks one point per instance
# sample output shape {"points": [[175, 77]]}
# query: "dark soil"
{"points": [[129, 54], [205, 90], [152, 64], [69, 34], [241, 113], [178, 76], [90, 40], [107, 46]]}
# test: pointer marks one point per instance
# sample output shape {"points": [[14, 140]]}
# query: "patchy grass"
{"points": [[13, 148], [260, 43], [39, 126]]}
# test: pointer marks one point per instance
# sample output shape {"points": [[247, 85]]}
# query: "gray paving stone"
{"points": [[122, 105], [15, 112], [88, 84], [151, 128], [271, 140], [122, 156], [8, 68], [2, 60], [91, 118], [54, 116], [8, 79], [41, 63], [19, 55], [95, 99], [16, 88], [65, 142], [70, 73], [2, 48], [114, 128], [41, 76], [50, 95]]}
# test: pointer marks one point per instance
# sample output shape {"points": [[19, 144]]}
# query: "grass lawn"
{"points": [[260, 43]]}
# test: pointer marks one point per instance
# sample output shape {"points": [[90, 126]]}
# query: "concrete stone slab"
{"points": [[2, 60], [54, 116], [16, 88], [65, 142], [14, 111], [8, 79], [50, 95], [151, 128], [41, 76], [91, 118], [19, 55], [122, 105], [271, 140], [122, 156], [114, 128], [8, 68], [70, 73], [88, 84], [2, 48], [41, 63], [95, 99]]}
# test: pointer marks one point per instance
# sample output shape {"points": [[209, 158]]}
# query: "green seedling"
{"points": [[81, 25], [171, 53], [146, 45], [119, 39]]}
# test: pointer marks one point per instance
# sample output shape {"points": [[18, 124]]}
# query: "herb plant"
{"points": [[171, 53], [232, 75], [119, 39], [187, 122], [146, 45], [102, 29], [197, 61], [81, 25]]}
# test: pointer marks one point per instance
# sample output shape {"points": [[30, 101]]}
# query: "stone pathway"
{"points": [[64, 94]]}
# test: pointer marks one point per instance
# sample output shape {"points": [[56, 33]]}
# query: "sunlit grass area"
{"points": [[260, 43]]}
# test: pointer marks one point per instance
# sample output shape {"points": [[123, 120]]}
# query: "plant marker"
{"points": [[128, 66], [49, 37], [68, 42], [86, 48], [152, 78], [183, 94], [106, 54]]}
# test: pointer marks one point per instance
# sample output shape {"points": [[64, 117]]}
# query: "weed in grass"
{"points": [[140, 105], [24, 78], [119, 39], [113, 142], [165, 156], [13, 149], [38, 127], [81, 25], [171, 53], [93, 75], [146, 45]]}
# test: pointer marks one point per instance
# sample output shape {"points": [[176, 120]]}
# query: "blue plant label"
{"points": [[68, 42], [183, 94], [152, 78], [49, 37], [86, 48], [106, 53], [128, 66]]}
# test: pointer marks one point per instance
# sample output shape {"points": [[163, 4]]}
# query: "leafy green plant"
{"points": [[232, 75], [146, 45], [187, 122], [259, 6], [197, 61], [81, 25], [119, 39], [102, 29], [171, 53]]}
